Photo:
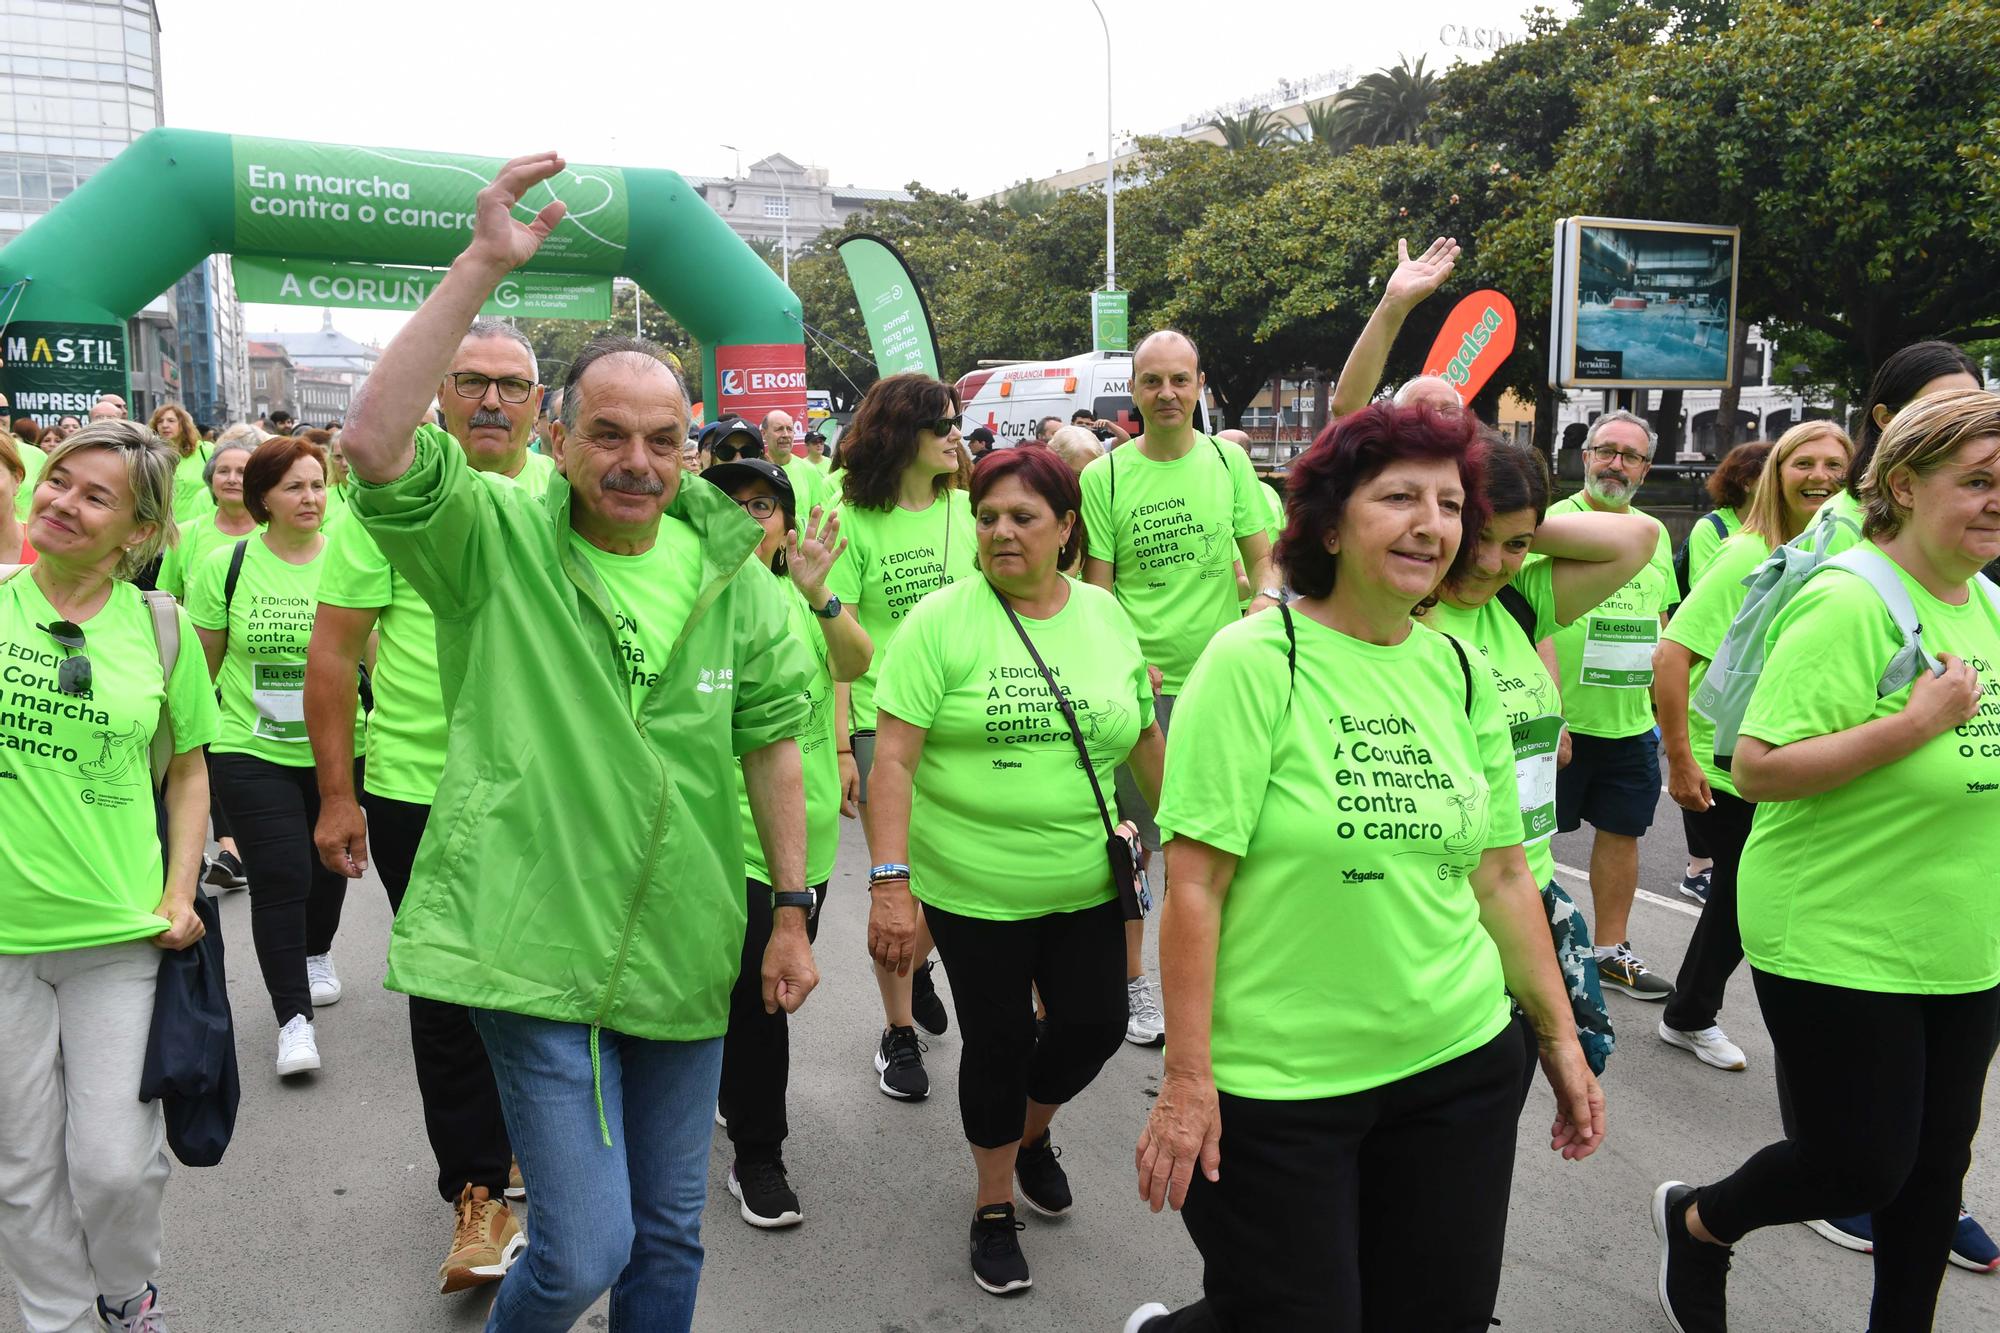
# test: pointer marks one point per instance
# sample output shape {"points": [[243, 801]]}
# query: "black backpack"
{"points": [[1713, 516]]}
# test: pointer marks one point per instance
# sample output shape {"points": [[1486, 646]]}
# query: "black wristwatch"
{"points": [[795, 898], [830, 610]]}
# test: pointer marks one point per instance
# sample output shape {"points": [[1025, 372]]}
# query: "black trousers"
{"points": [[462, 1116], [1697, 834], [218, 818], [1717, 945], [1885, 1096], [1326, 1214], [1076, 960], [757, 1049], [295, 901]]}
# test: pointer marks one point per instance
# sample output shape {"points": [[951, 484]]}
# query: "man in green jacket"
{"points": [[605, 663]]}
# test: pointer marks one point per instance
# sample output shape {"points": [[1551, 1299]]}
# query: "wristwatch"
{"points": [[830, 610], [795, 898]]}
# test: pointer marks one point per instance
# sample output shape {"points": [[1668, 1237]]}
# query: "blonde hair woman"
{"points": [[171, 423]]}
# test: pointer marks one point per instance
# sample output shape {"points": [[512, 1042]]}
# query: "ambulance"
{"points": [[1011, 400]]}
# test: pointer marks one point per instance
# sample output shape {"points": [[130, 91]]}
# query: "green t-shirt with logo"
{"points": [[198, 537], [1701, 624], [1359, 796], [1606, 655], [817, 756], [33, 461], [1533, 712], [1704, 541], [1887, 882], [406, 732], [1000, 783], [651, 595], [192, 498], [336, 507], [80, 856], [1169, 531], [263, 676], [894, 559], [808, 486]]}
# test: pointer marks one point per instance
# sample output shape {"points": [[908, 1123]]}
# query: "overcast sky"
{"points": [[972, 97]]}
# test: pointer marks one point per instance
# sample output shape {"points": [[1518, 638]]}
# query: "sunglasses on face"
{"points": [[725, 452], [945, 425], [73, 672], [759, 506]]}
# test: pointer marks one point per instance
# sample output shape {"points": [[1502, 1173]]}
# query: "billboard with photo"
{"points": [[1642, 304]]}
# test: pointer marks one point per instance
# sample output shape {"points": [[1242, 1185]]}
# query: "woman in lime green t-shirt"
{"points": [[756, 1063], [909, 533], [1506, 606], [171, 423], [1869, 907], [87, 900], [979, 765], [1350, 909], [252, 604], [1801, 472]]}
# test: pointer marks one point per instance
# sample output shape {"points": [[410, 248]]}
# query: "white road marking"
{"points": [[1685, 909]]}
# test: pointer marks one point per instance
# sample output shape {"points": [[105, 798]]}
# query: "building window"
{"points": [[260, 379], [777, 206]]}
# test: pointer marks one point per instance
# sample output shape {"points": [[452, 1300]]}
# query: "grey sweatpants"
{"points": [[83, 1162]]}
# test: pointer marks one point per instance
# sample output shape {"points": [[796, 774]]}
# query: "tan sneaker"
{"points": [[485, 1242], [517, 1188]]}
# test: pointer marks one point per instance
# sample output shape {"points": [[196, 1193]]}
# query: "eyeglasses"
{"points": [[73, 672], [724, 452], [1604, 453], [471, 384], [760, 506], [945, 425]]}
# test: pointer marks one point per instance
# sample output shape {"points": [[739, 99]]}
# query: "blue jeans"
{"points": [[627, 1217]]}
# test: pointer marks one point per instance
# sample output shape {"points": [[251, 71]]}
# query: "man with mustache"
{"points": [[1606, 660], [489, 400], [608, 653]]}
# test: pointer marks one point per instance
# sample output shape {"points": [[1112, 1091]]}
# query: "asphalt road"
{"points": [[323, 1217]]}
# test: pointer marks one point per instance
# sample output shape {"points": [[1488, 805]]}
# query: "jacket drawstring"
{"points": [[597, 1087]]}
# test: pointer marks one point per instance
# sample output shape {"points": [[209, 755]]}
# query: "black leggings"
{"points": [[1076, 960], [1326, 1215], [757, 1049], [1885, 1092], [1716, 946], [294, 900], [218, 818]]}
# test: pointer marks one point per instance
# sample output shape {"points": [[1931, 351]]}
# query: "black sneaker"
{"points": [[1694, 1275], [1043, 1183], [925, 1004], [224, 873], [766, 1197], [997, 1262], [899, 1061]]}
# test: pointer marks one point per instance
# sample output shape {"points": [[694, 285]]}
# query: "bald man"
{"points": [[1432, 391], [108, 407], [808, 482]]}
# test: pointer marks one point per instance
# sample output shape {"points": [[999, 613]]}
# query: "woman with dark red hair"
{"points": [[1340, 1050], [252, 602], [993, 694]]}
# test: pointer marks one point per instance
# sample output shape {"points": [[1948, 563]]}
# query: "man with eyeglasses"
{"points": [[1612, 779], [607, 663], [1167, 516], [489, 400]]}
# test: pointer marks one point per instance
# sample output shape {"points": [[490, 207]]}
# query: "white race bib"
{"points": [[1618, 651], [278, 691], [1535, 744]]}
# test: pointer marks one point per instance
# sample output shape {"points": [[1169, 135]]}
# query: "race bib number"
{"points": [[1535, 773], [1618, 651], [278, 691]]}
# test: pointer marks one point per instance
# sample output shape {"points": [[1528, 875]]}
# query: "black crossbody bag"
{"points": [[1118, 847]]}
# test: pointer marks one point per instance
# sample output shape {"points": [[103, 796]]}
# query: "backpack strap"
{"points": [[1465, 668], [1517, 605], [1880, 573], [165, 613], [235, 573], [1715, 520]]}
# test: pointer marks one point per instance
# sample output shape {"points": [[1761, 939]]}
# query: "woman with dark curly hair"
{"points": [[909, 533], [1731, 487], [1350, 910]]}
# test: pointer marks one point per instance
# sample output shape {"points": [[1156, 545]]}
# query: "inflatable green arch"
{"points": [[69, 282]]}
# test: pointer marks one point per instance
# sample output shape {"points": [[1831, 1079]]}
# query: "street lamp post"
{"points": [[1110, 171]]}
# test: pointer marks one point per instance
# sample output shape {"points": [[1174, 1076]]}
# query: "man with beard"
{"points": [[607, 661], [1606, 661], [489, 400]]}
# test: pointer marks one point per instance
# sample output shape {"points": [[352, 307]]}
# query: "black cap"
{"points": [[723, 427], [979, 435], [743, 471]]}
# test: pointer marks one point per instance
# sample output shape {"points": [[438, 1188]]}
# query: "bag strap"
{"points": [[1465, 669], [1069, 714], [167, 638], [1516, 604], [235, 573], [1292, 655], [1880, 573]]}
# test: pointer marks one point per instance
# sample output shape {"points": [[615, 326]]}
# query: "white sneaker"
{"points": [[298, 1052], [1711, 1046], [1144, 1315], [325, 982], [1145, 1025]]}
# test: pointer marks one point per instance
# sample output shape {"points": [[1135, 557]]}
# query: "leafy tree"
{"points": [[1029, 198], [1255, 128], [1389, 106], [1322, 122]]}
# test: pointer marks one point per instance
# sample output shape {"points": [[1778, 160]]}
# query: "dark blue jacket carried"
{"points": [[191, 1054]]}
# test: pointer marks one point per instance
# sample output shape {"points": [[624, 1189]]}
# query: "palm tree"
{"points": [[1388, 106], [1255, 128], [1322, 122]]}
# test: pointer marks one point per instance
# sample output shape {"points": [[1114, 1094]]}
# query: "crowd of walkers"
{"points": [[565, 670]]}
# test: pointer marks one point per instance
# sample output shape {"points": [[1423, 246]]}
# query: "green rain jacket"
{"points": [[579, 865]]}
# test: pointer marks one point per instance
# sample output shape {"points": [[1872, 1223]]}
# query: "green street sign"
{"points": [[1111, 321], [522, 293]]}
